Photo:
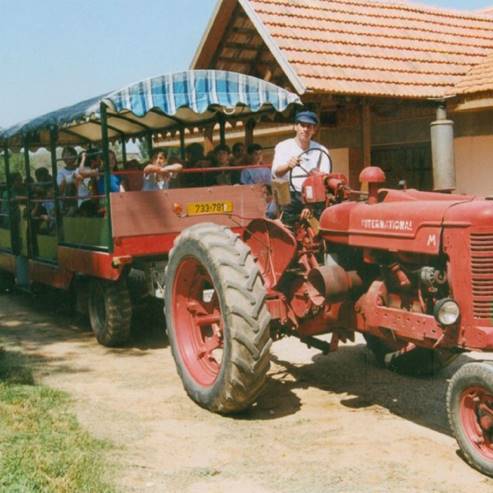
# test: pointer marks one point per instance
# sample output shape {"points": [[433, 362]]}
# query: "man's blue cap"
{"points": [[306, 117]]}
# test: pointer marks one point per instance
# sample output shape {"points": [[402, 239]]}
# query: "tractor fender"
{"points": [[273, 246]]}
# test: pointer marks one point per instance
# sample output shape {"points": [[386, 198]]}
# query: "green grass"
{"points": [[42, 446]]}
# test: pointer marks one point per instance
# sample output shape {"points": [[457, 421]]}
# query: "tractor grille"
{"points": [[481, 245]]}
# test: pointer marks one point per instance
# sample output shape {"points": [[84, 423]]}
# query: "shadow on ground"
{"points": [[47, 317], [353, 375]]}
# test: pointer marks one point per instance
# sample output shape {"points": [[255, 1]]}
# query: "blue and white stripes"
{"points": [[200, 91]]}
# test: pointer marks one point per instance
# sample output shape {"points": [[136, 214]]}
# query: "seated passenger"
{"points": [[86, 178], [65, 176], [255, 175], [43, 176], [115, 180], [194, 158], [133, 180], [157, 174], [271, 208], [43, 211], [16, 189], [222, 155], [65, 181], [238, 156]]}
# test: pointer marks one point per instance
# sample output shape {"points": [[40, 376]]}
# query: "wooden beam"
{"points": [[366, 132]]}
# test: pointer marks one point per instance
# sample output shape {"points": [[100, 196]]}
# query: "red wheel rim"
{"points": [[197, 321], [476, 412]]}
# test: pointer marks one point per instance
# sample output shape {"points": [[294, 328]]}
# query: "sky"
{"points": [[57, 52]]}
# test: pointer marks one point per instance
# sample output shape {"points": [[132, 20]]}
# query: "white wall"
{"points": [[474, 164], [340, 160]]}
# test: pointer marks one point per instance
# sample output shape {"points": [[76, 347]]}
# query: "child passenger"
{"points": [[157, 174], [255, 175]]}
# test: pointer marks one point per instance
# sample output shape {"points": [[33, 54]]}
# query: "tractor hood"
{"points": [[401, 220]]}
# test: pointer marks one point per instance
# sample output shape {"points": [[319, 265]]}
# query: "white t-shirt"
{"points": [[312, 159], [65, 175], [154, 182]]}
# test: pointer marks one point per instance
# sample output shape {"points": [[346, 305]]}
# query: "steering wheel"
{"points": [[308, 157]]}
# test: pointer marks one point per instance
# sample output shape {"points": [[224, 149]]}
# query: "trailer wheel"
{"points": [[417, 362], [470, 413], [217, 318], [110, 311]]}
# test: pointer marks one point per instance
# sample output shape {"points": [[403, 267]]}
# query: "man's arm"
{"points": [[282, 169], [283, 161]]}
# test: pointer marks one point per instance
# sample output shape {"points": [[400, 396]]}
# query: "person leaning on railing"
{"points": [[157, 174], [86, 178]]}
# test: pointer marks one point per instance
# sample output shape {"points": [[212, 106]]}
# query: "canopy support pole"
{"points": [[222, 128], [182, 142], [149, 147], [107, 172], [249, 128], [8, 180], [27, 167], [123, 143], [54, 173]]}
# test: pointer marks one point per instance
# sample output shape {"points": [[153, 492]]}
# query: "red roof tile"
{"points": [[478, 79], [380, 48]]}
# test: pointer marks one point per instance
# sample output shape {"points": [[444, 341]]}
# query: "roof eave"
{"points": [[291, 74], [225, 8], [203, 41]]}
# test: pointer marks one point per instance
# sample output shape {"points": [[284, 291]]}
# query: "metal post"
{"points": [[124, 150], [149, 146], [107, 171], [182, 142], [27, 168], [249, 128], [56, 195], [8, 181], [366, 133], [222, 128]]}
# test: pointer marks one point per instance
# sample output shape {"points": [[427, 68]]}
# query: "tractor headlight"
{"points": [[446, 311]]}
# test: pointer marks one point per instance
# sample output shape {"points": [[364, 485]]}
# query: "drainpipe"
{"points": [[442, 151]]}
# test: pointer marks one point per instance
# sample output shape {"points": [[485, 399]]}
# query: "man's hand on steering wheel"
{"points": [[295, 162]]}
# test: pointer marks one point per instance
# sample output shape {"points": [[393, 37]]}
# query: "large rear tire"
{"points": [[418, 362], [110, 311], [470, 413], [217, 318]]}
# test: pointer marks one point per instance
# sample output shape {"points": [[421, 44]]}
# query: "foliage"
{"points": [[42, 446]]}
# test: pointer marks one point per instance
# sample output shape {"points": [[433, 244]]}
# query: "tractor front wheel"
{"points": [[217, 318], [470, 413], [110, 311], [417, 362]]}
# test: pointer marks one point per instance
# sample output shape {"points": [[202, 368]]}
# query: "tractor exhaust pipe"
{"points": [[442, 151]]}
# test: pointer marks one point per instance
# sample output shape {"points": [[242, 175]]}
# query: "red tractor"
{"points": [[412, 271]]}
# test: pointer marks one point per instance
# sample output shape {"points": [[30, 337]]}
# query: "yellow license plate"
{"points": [[216, 207]]}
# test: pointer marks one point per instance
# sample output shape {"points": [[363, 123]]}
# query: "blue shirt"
{"points": [[115, 182]]}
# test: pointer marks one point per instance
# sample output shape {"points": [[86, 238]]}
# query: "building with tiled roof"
{"points": [[374, 70]]}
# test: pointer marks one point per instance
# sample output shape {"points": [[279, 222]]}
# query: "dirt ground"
{"points": [[333, 423]]}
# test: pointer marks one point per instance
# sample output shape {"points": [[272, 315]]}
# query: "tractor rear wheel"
{"points": [[470, 413], [217, 318], [417, 362], [110, 311]]}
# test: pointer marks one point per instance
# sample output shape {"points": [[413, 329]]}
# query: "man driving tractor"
{"points": [[295, 158]]}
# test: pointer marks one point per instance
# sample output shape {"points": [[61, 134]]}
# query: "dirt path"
{"points": [[324, 424]]}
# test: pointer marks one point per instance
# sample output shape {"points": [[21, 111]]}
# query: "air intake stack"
{"points": [[442, 151]]}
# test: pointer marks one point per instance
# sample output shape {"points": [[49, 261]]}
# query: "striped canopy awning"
{"points": [[185, 99]]}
